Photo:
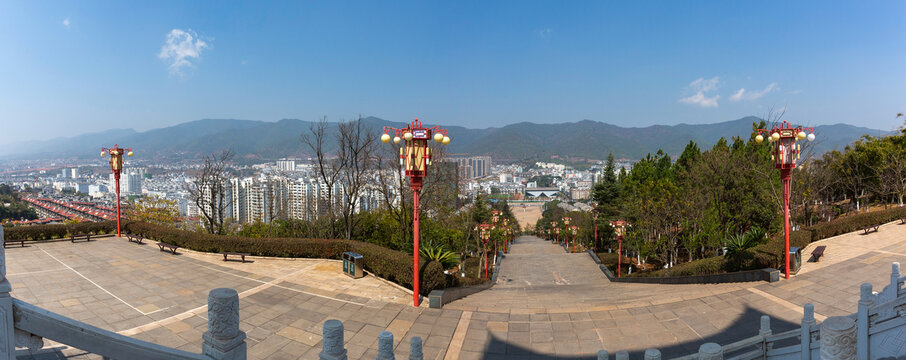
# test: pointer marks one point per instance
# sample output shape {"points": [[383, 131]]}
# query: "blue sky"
{"points": [[72, 67]]}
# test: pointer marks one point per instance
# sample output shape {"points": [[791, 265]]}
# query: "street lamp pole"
{"points": [[619, 227], [566, 221], [116, 165], [484, 234], [784, 154], [415, 156], [595, 214], [575, 229]]}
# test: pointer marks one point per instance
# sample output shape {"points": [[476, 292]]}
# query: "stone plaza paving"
{"points": [[546, 303]]}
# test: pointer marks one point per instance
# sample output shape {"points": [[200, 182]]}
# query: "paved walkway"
{"points": [[546, 304]]}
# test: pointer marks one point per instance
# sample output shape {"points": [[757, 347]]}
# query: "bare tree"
{"points": [[328, 170], [209, 191], [355, 147]]}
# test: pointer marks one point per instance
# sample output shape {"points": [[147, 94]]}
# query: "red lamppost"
{"points": [[619, 227], [116, 165], [594, 213], [484, 234], [566, 220], [495, 219], [575, 230], [507, 234], [556, 231], [415, 156], [784, 154]]}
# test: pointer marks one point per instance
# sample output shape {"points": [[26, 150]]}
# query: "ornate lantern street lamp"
{"points": [[575, 230], [415, 156], [484, 234], [566, 221], [619, 227], [116, 165], [555, 230], [784, 153]]}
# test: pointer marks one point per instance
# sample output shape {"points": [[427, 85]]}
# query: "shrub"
{"points": [[855, 222], [706, 266], [439, 252], [57, 231], [770, 254], [389, 264]]}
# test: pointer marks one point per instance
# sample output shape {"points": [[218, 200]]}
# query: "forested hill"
{"points": [[270, 140]]}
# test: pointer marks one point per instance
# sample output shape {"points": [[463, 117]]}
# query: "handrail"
{"points": [[739, 345], [46, 324], [784, 335]]}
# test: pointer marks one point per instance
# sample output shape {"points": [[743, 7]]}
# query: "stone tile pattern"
{"points": [[546, 304]]}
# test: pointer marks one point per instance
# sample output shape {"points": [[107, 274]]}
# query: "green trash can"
{"points": [[795, 259], [352, 264]]}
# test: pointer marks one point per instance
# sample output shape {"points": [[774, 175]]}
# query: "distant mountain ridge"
{"points": [[252, 139]]}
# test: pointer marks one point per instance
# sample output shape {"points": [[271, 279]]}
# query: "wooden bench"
{"points": [[135, 238], [242, 255], [818, 252], [7, 241], [86, 237], [168, 246], [871, 228]]}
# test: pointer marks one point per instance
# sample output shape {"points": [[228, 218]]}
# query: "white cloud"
{"points": [[742, 94], [66, 22], [701, 86], [180, 48], [701, 100], [544, 33]]}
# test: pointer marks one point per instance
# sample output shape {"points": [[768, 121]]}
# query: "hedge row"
{"points": [[389, 264], [56, 231], [770, 254], [855, 222]]}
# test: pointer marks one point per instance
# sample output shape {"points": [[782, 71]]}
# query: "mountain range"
{"points": [[261, 140]]}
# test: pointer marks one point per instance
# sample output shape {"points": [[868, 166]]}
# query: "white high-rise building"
{"points": [[130, 183]]}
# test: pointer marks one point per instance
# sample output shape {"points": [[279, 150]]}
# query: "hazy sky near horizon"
{"points": [[68, 68]]}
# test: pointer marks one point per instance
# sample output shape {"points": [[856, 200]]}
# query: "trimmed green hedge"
{"points": [[855, 222], [389, 264], [706, 266], [57, 231]]}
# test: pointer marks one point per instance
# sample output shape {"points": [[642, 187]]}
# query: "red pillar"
{"points": [[415, 247], [785, 176], [485, 259], [116, 177], [620, 256]]}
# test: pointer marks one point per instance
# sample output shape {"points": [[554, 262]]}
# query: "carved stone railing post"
{"points": [[332, 341], [765, 330], [866, 301], [710, 351], [895, 278], [652, 354], [224, 340], [838, 338], [385, 346], [7, 327], [808, 319], [603, 355], [415, 349]]}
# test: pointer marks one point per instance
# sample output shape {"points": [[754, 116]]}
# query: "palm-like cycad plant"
{"points": [[440, 253]]}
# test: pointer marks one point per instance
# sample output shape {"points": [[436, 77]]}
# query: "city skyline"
{"points": [[90, 67]]}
